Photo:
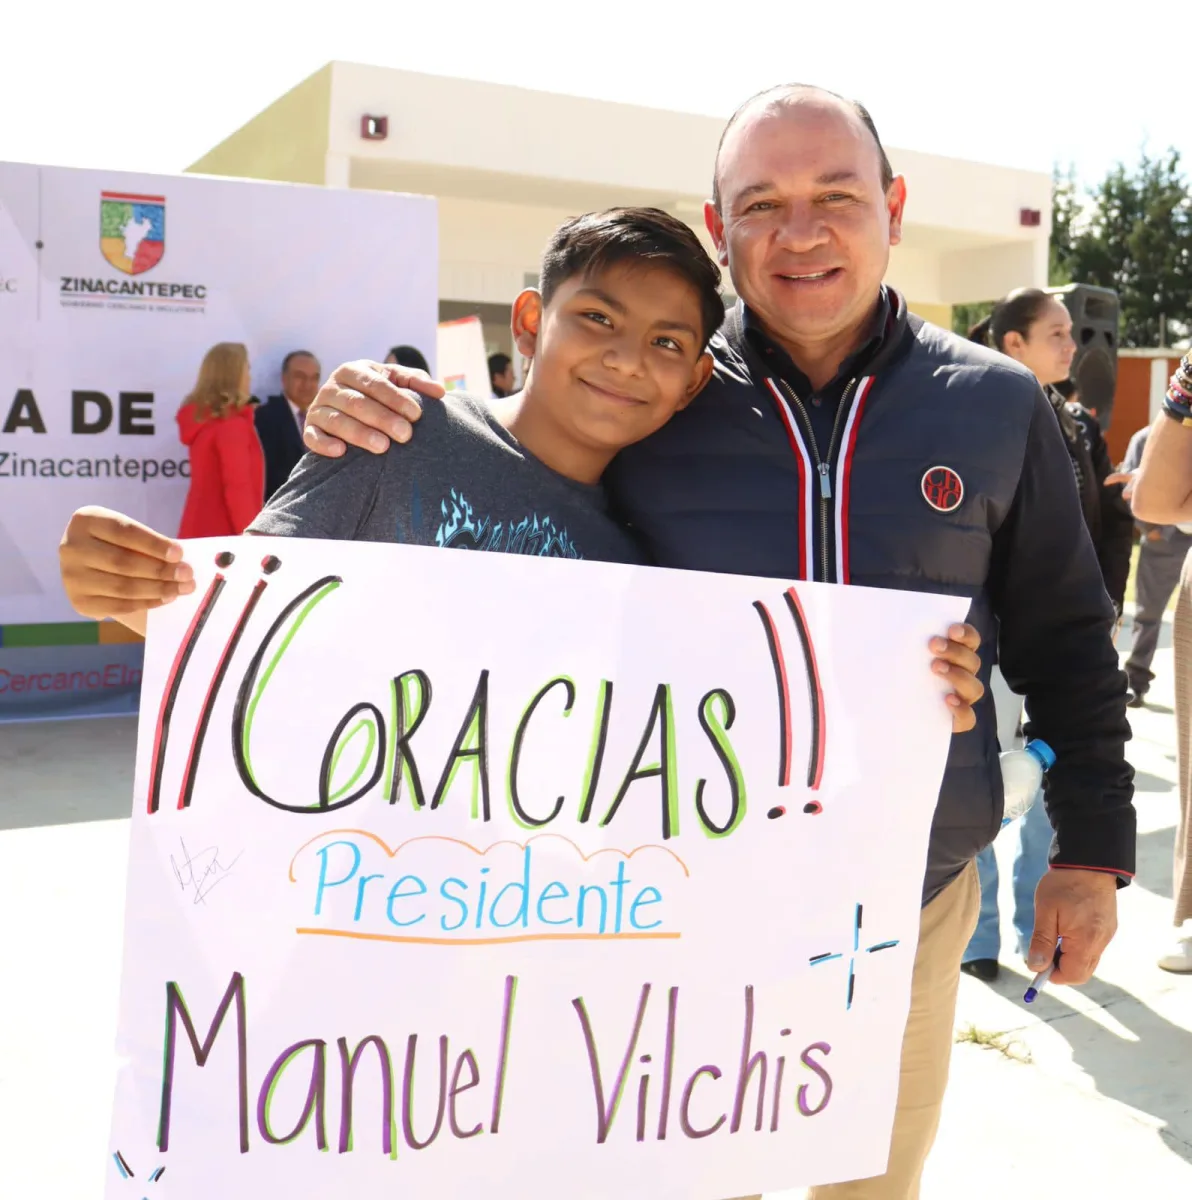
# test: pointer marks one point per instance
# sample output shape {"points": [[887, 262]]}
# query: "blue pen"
{"points": [[1041, 979]]}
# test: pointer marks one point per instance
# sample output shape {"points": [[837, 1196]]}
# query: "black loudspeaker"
{"points": [[1095, 313]]}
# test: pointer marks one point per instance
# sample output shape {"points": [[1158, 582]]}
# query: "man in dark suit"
{"points": [[279, 421]]}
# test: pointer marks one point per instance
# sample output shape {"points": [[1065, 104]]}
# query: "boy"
{"points": [[618, 340], [618, 335]]}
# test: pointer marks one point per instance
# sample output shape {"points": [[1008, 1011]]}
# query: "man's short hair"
{"points": [[641, 236], [498, 364], [293, 354], [774, 96]]}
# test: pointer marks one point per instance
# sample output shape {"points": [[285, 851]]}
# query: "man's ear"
{"points": [[700, 375], [895, 205], [526, 321], [715, 224]]}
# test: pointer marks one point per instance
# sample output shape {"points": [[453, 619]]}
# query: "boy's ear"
{"points": [[526, 321], [699, 379]]}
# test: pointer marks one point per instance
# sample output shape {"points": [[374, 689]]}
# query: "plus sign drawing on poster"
{"points": [[820, 959]]}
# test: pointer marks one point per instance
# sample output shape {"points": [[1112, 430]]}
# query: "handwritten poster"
{"points": [[486, 875]]}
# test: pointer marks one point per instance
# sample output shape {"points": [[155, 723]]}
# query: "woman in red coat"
{"points": [[227, 465]]}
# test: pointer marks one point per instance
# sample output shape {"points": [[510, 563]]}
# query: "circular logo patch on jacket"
{"points": [[942, 488]]}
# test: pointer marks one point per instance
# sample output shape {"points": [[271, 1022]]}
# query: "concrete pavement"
{"points": [[1103, 1107], [1090, 1097]]}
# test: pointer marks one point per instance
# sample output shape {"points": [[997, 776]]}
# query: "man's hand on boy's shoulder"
{"points": [[367, 404], [113, 566]]}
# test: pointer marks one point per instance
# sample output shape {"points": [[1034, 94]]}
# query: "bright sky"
{"points": [[151, 86]]}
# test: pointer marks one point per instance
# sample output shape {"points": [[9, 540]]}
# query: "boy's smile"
{"points": [[608, 394]]}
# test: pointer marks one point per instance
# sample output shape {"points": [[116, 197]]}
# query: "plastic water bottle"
{"points": [[1022, 777]]}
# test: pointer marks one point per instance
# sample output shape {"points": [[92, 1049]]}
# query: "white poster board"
{"points": [[463, 362], [597, 892], [112, 288]]}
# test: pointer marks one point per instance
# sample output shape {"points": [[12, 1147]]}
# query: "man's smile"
{"points": [[810, 277]]}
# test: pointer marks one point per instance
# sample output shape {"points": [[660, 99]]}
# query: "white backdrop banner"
{"points": [[113, 286], [611, 889]]}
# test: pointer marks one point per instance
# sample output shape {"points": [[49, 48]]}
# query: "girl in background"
{"points": [[227, 465], [1035, 329]]}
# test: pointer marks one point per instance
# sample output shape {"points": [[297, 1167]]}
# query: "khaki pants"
{"points": [[1182, 889], [946, 925]]}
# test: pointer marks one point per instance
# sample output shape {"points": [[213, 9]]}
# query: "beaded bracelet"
{"points": [[1178, 403], [1178, 410], [1183, 373]]}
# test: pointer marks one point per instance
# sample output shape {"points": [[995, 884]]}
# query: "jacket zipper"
{"points": [[823, 466]]}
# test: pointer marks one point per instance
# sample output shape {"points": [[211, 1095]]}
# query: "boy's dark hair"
{"points": [[599, 240], [499, 363]]}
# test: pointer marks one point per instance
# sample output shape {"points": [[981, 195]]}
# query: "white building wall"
{"points": [[915, 273], [464, 123], [486, 249], [972, 198], [508, 164], [990, 272]]}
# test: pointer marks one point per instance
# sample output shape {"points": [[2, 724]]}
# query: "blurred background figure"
{"points": [[500, 375], [1035, 329], [227, 466], [1162, 495], [1160, 560], [408, 356], [281, 418]]}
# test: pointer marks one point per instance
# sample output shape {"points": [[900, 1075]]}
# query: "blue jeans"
{"points": [[1030, 865]]}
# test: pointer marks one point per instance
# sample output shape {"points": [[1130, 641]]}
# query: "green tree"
{"points": [[965, 316], [1065, 214], [1135, 236]]}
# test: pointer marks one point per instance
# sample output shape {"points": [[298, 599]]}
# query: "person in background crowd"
{"points": [[844, 440], [1162, 495], [1160, 560], [280, 419], [408, 356], [1035, 329], [500, 375], [227, 465]]}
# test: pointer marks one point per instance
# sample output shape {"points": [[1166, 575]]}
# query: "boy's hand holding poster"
{"points": [[461, 875]]}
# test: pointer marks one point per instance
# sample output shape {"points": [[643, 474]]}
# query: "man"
{"points": [[500, 375], [1160, 558], [279, 421], [842, 440]]}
